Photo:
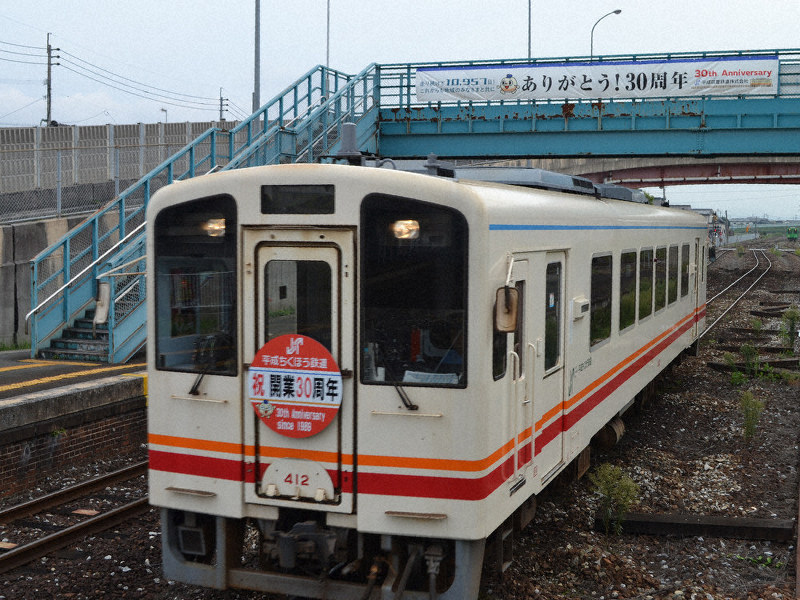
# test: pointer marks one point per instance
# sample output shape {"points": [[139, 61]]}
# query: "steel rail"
{"points": [[36, 505], [735, 302], [28, 552], [737, 281]]}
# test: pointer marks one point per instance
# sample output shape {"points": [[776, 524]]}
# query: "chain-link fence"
{"points": [[61, 171]]}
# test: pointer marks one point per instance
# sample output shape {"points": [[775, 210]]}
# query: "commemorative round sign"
{"points": [[295, 386]]}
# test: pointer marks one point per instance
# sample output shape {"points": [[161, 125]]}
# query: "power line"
{"points": [[24, 62], [241, 110], [38, 54], [23, 45], [116, 75], [111, 79], [19, 109], [104, 80], [163, 101]]}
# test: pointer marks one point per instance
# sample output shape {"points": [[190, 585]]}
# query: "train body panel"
{"points": [[326, 358]]}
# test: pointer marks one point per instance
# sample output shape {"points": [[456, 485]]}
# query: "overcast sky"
{"points": [[180, 53]]}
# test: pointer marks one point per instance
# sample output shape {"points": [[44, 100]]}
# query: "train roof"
{"points": [[519, 176]]}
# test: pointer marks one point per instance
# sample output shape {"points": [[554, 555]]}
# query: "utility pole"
{"points": [[257, 74], [221, 117], [49, 82], [328, 38], [529, 29]]}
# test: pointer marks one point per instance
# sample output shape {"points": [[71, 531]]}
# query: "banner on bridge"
{"points": [[722, 76]]}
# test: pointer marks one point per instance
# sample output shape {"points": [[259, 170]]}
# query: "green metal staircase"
{"points": [[87, 289]]}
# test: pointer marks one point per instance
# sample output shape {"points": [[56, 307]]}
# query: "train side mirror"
{"points": [[505, 309]]}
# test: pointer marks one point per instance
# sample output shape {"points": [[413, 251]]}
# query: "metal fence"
{"points": [[67, 170]]}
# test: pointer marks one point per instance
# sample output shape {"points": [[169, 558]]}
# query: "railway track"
{"points": [[739, 281], [685, 452], [18, 555], [716, 515]]}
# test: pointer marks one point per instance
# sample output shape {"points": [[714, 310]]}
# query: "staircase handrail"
{"points": [[284, 108], [93, 264], [128, 208], [315, 113]]}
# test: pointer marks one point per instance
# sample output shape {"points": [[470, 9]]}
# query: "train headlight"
{"points": [[215, 227], [406, 229]]}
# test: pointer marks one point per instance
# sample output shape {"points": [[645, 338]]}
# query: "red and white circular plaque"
{"points": [[295, 386]]}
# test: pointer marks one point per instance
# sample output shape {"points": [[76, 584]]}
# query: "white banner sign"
{"points": [[728, 76]]}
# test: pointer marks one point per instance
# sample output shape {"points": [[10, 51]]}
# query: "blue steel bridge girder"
{"points": [[686, 127]]}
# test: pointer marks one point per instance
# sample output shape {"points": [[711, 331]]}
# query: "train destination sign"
{"points": [[720, 76], [294, 386]]}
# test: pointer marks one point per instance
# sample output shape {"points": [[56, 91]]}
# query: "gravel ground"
{"points": [[686, 451]]}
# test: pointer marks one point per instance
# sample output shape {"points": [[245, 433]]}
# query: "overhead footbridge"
{"points": [[88, 293]]}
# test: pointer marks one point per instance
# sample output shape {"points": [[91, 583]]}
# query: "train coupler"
{"points": [[305, 541]]}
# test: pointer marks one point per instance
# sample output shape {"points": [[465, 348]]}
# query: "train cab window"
{"points": [[627, 290], [645, 283], [414, 292], [195, 270], [684, 270], [673, 274], [600, 309], [661, 278]]}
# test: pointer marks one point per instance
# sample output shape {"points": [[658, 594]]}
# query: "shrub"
{"points": [[738, 378], [751, 413], [791, 319], [617, 493], [729, 359], [751, 359]]}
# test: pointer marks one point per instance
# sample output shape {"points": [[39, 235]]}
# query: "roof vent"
{"points": [[526, 177], [348, 150], [617, 192]]}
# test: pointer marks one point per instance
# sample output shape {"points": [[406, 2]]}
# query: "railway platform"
{"points": [[53, 414]]}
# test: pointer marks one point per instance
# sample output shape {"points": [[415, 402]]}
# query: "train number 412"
{"points": [[296, 479]]}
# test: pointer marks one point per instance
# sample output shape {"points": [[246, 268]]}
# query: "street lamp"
{"points": [[591, 38], [164, 110]]}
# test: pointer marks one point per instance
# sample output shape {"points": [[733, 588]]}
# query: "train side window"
{"points": [[627, 290], [661, 278], [645, 283], [685, 270], [673, 274], [600, 314], [552, 316]]}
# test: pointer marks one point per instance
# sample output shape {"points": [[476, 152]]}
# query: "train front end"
{"points": [[307, 353]]}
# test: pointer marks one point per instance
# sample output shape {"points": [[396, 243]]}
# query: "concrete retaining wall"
{"points": [[18, 245], [47, 432]]}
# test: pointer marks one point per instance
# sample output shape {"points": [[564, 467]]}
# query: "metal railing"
{"points": [[64, 276], [303, 123]]}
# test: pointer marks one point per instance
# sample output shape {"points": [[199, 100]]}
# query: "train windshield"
{"points": [[195, 264], [414, 293]]}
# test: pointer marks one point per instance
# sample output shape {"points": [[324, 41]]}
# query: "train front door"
{"points": [[299, 291], [539, 346]]}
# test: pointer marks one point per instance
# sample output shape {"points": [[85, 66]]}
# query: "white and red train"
{"points": [[359, 375]]}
